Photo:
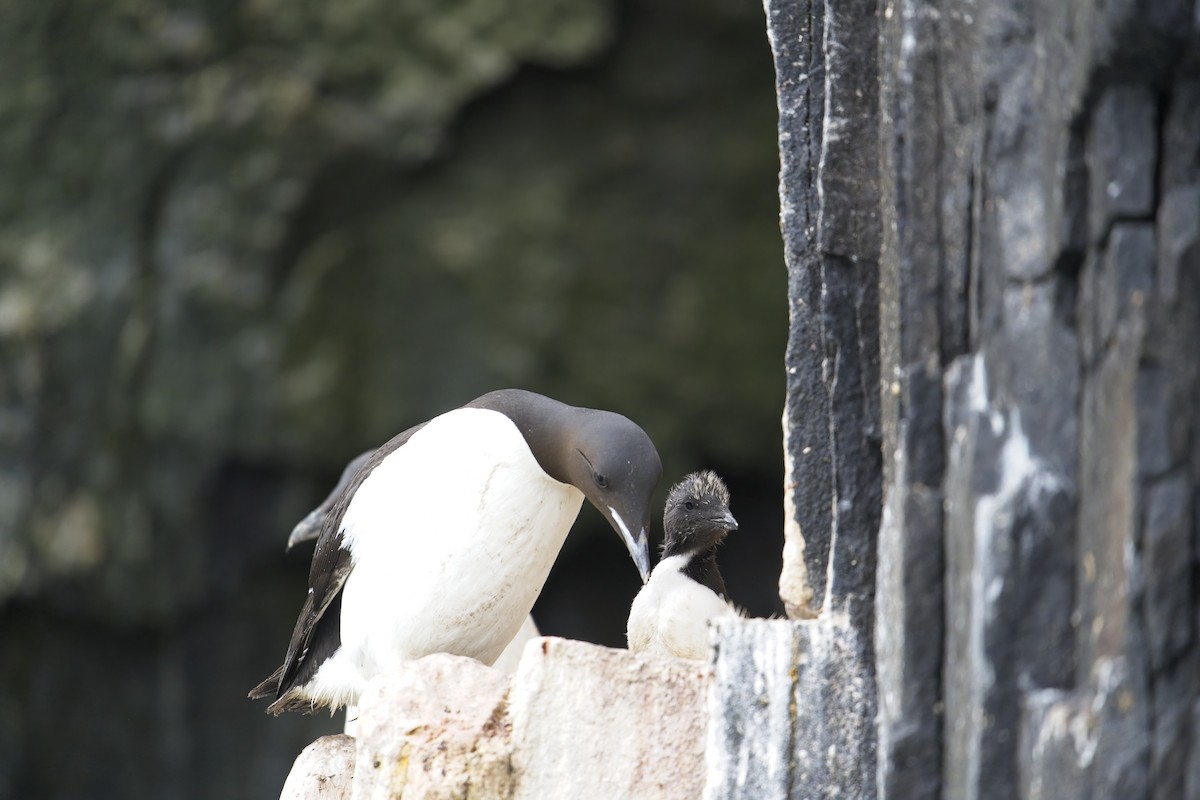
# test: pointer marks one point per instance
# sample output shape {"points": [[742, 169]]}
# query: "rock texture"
{"points": [[576, 720], [590, 722], [1032, 164], [1025, 620], [753, 701], [438, 728], [323, 771], [827, 82]]}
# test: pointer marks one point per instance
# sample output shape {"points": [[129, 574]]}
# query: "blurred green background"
{"points": [[243, 240]]}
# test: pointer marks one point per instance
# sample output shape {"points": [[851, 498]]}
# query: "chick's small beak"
{"points": [[729, 522]]}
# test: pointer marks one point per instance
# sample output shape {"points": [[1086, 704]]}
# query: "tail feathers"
{"points": [[268, 689], [291, 700]]}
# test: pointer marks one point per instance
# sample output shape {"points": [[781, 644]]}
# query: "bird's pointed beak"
{"points": [[728, 522], [307, 528], [635, 543]]}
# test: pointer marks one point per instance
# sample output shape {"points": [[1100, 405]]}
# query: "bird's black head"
{"points": [[614, 463], [696, 517], [604, 455]]}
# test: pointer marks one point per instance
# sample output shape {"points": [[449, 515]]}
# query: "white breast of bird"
{"points": [[670, 615], [453, 536]]}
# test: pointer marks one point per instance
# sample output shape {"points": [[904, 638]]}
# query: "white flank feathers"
{"points": [[452, 536], [670, 615]]}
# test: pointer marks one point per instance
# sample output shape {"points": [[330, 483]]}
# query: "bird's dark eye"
{"points": [[689, 505], [601, 481]]}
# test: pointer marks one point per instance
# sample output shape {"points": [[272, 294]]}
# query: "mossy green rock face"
{"points": [[240, 242], [242, 233], [158, 161], [572, 244]]}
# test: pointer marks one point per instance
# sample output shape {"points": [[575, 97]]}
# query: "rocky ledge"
{"points": [[577, 720]]}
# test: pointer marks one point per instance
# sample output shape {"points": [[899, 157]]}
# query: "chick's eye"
{"points": [[601, 481], [689, 505]]}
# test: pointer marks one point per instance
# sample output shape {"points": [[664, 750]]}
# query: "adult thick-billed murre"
{"points": [[670, 614], [443, 538]]}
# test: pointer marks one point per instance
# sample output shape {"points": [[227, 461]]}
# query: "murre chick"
{"points": [[670, 614], [442, 540]]}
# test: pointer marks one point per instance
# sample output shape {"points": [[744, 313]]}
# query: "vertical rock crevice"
{"points": [[822, 665]]}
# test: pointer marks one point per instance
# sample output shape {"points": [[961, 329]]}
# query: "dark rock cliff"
{"points": [[1028, 184]]}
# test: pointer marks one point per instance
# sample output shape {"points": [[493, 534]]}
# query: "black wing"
{"points": [[310, 527], [317, 636]]}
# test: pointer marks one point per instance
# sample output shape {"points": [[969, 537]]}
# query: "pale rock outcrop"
{"points": [[323, 771], [593, 722], [578, 720], [434, 730]]}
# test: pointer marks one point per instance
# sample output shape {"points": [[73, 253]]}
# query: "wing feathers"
{"points": [[268, 689], [316, 635]]}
